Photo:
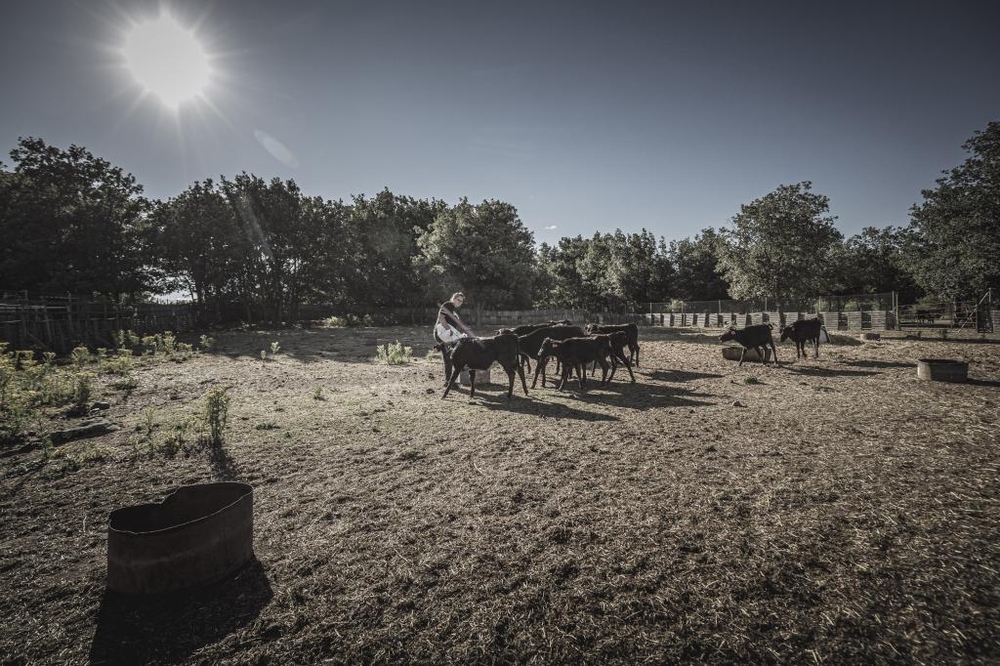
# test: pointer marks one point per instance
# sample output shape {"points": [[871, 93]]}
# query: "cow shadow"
{"points": [[828, 372], [879, 364], [675, 375], [168, 628], [983, 382]]}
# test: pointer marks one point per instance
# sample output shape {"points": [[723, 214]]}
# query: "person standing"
{"points": [[449, 329]]}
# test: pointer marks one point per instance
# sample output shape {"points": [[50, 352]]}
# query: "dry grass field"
{"points": [[831, 510]]}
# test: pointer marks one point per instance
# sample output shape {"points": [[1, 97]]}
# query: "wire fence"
{"points": [[848, 303]]}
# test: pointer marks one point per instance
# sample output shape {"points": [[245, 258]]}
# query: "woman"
{"points": [[449, 329]]}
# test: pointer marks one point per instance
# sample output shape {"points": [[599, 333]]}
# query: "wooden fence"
{"points": [[59, 324]]}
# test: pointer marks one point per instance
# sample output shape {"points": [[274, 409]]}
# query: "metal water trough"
{"points": [[942, 370], [733, 354], [482, 378], [197, 535]]}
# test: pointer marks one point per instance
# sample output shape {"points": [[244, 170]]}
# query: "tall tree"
{"points": [[872, 262], [482, 249], [780, 246], [954, 235], [696, 262], [72, 222]]}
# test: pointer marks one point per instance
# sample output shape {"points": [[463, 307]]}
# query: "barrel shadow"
{"points": [[140, 629]]}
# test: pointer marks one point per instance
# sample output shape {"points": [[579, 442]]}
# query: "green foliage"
{"points": [[953, 240], [83, 389], [206, 343], [697, 264], [752, 380], [780, 246], [266, 425], [275, 348], [80, 357], [394, 353], [484, 249], [348, 320], [614, 272], [318, 394], [216, 414], [126, 339], [72, 222]]}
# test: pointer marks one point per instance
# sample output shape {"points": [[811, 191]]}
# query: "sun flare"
{"points": [[167, 60]]}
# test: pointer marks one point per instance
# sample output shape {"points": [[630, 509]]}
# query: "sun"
{"points": [[167, 60]]}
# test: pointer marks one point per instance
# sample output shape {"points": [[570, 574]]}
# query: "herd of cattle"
{"points": [[576, 348]]}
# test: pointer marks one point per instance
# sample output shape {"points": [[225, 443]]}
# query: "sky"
{"points": [[586, 116]]}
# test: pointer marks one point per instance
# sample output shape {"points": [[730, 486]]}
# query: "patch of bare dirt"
{"points": [[847, 511]]}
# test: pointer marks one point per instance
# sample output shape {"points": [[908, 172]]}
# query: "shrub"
{"points": [[751, 379], [216, 414], [79, 357], [83, 388], [348, 320], [394, 353], [206, 342]]}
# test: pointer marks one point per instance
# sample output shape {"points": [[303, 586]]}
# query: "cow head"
{"points": [[728, 335], [786, 333]]}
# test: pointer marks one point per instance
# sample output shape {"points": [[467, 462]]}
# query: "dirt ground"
{"points": [[828, 510]]}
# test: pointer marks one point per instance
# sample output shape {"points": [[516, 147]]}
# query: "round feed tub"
{"points": [[942, 370], [198, 534], [733, 354], [482, 378]]}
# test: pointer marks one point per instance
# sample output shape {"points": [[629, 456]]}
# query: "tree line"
{"points": [[73, 222]]}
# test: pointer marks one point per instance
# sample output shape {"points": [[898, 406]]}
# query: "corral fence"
{"points": [[59, 323], [852, 312]]}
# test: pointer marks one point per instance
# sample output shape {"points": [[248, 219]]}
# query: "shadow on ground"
{"points": [[143, 629], [880, 364], [829, 372]]}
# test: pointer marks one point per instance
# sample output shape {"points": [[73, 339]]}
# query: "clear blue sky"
{"points": [[585, 116]]}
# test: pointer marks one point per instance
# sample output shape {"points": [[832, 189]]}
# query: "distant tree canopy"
{"points": [[781, 246], [73, 222], [953, 242], [697, 268], [616, 271], [483, 249]]}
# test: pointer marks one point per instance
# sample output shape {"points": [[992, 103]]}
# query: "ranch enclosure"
{"points": [[835, 510]]}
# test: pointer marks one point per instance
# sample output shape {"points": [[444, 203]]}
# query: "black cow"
{"points": [[577, 353], [531, 343], [631, 337], [803, 331], [480, 353], [756, 337]]}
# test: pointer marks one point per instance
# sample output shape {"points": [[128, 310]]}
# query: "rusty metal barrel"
{"points": [[942, 370], [733, 354], [197, 535]]}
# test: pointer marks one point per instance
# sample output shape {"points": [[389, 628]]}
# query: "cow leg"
{"points": [[472, 383], [816, 346], [743, 354], [628, 366], [614, 366], [565, 375], [540, 368], [510, 381], [455, 372], [604, 375], [524, 383], [774, 350]]}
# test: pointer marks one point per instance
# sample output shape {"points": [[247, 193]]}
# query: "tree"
{"points": [[953, 241], [72, 222], [696, 263], [872, 262], [780, 245], [482, 249], [382, 233]]}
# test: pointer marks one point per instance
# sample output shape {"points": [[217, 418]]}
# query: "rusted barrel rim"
{"points": [[118, 514], [941, 361]]}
